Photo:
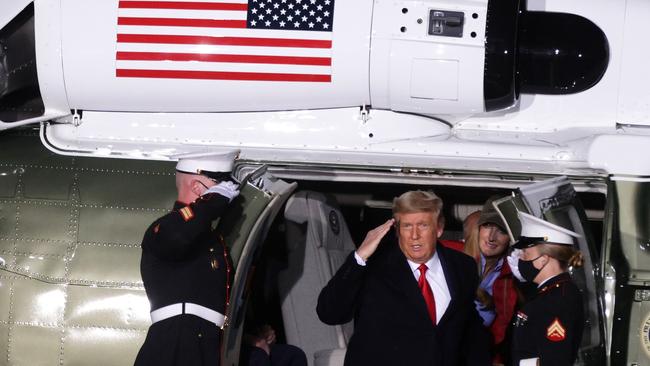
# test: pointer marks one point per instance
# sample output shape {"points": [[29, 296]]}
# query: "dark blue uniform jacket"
{"points": [[183, 260], [550, 325]]}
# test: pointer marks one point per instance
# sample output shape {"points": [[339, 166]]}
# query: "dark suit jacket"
{"points": [[550, 325], [392, 326]]}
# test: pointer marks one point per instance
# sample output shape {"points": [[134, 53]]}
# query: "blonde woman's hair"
{"points": [[471, 234], [565, 254]]}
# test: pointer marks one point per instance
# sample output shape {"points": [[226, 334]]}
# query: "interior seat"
{"points": [[318, 243]]}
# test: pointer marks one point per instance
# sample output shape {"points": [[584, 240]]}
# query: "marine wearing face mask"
{"points": [[528, 270], [548, 329]]}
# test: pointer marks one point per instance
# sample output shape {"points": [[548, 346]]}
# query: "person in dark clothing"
{"points": [[261, 349], [186, 268], [548, 329], [412, 301]]}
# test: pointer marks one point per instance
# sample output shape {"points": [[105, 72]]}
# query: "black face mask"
{"points": [[528, 270]]}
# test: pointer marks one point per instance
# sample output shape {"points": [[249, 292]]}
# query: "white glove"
{"points": [[513, 262], [226, 188]]}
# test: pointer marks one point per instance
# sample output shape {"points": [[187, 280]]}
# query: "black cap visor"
{"points": [[218, 176], [527, 242]]}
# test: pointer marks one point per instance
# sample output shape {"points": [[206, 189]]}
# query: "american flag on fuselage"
{"points": [[255, 40]]}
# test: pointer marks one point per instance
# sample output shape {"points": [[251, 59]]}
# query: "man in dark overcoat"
{"points": [[412, 301]]}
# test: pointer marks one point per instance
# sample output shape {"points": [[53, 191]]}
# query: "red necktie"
{"points": [[427, 293]]}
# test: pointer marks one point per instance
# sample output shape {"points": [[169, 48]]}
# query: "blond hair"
{"points": [[471, 244], [471, 235], [565, 254]]}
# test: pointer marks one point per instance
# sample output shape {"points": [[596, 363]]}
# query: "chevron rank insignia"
{"points": [[555, 332], [186, 213]]}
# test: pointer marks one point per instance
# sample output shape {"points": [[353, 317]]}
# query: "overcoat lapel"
{"points": [[451, 276], [400, 277]]}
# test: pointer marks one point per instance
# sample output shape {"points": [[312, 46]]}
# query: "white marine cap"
{"points": [[206, 163], [537, 231]]}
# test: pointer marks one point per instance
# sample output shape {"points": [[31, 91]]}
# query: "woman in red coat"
{"points": [[497, 294]]}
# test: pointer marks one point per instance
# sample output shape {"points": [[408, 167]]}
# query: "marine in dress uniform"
{"points": [[548, 329], [186, 269]]}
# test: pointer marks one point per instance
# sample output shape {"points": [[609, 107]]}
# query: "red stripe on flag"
{"points": [[125, 4], [221, 75], [179, 22], [252, 59], [232, 41]]}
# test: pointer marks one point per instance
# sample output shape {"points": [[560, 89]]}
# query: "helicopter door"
{"points": [[244, 229], [556, 201], [627, 269]]}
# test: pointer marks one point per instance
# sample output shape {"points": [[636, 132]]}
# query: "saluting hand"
{"points": [[226, 188], [373, 238]]}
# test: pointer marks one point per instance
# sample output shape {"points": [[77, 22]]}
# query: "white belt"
{"points": [[188, 308]]}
